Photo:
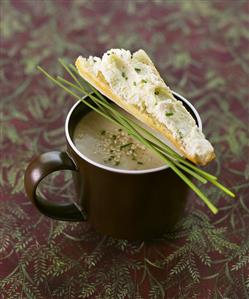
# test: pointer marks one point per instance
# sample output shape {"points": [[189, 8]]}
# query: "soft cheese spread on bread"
{"points": [[134, 79]]}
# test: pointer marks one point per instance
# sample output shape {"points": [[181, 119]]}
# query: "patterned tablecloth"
{"points": [[201, 49]]}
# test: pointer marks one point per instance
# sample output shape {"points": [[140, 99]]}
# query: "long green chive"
{"points": [[75, 95], [71, 74], [223, 188], [167, 148], [169, 156], [208, 176], [62, 80]]}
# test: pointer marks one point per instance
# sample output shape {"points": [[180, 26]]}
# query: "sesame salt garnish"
{"points": [[117, 145]]}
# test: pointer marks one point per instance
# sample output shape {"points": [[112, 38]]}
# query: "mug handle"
{"points": [[38, 169]]}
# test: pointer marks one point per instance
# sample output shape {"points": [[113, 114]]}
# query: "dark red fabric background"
{"points": [[201, 49]]}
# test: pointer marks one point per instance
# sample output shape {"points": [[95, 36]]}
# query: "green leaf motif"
{"points": [[182, 60], [87, 291], [12, 20], [180, 266]]}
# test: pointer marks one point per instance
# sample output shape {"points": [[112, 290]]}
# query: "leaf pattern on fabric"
{"points": [[201, 49]]}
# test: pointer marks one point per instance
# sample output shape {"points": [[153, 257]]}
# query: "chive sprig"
{"points": [[177, 163]]}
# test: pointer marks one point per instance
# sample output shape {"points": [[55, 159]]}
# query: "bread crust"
{"points": [[103, 87]]}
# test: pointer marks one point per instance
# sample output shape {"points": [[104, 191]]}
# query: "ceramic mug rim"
{"points": [[117, 170]]}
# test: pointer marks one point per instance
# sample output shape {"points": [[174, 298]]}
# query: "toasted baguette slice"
{"points": [[134, 84]]}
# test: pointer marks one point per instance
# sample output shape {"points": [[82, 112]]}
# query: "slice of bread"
{"points": [[133, 83]]}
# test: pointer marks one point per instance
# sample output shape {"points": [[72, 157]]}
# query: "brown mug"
{"points": [[128, 204]]}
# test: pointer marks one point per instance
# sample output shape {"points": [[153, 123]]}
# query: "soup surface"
{"points": [[106, 143]]}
